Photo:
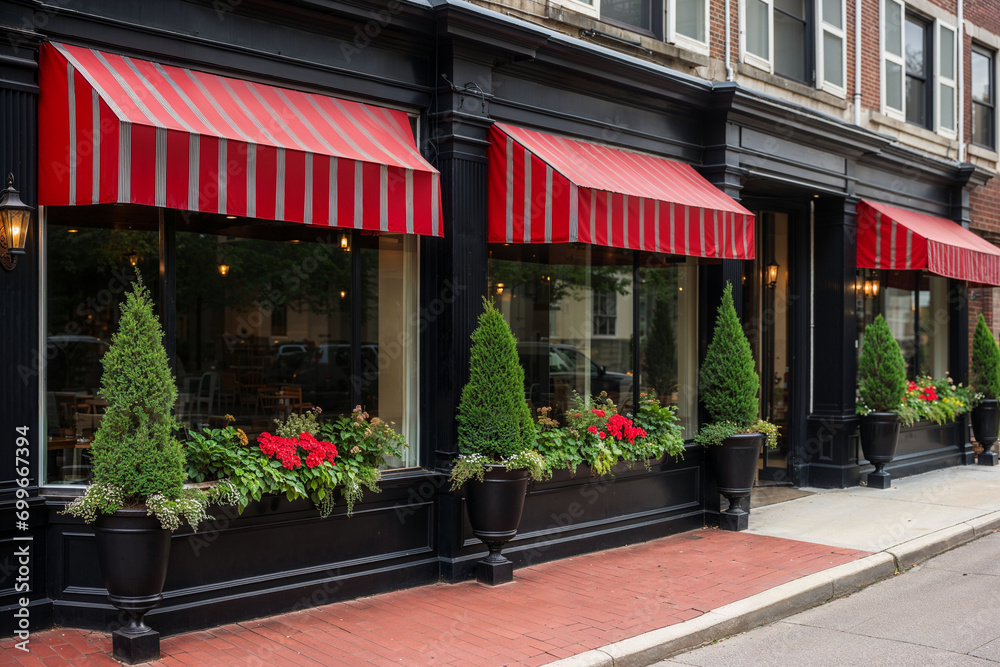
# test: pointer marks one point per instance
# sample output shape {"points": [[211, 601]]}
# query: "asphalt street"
{"points": [[943, 612]]}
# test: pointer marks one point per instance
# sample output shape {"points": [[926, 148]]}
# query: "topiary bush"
{"points": [[493, 415], [985, 361], [138, 463], [729, 382], [881, 370], [494, 421]]}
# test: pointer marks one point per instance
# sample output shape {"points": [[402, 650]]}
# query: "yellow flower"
{"points": [[244, 440]]}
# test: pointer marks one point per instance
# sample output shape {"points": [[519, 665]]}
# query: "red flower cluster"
{"points": [[928, 393], [287, 451], [618, 427], [598, 412], [623, 429]]}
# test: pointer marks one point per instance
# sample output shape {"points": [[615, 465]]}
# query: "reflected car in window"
{"points": [[325, 377], [568, 370]]}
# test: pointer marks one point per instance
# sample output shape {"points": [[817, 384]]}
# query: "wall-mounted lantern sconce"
{"points": [[15, 216], [133, 257], [499, 288], [223, 269], [870, 288], [772, 275], [345, 242]]}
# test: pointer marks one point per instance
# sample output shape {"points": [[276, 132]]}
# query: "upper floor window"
{"points": [[918, 68], [803, 40], [605, 312], [631, 13], [918, 88], [688, 22], [983, 97]]}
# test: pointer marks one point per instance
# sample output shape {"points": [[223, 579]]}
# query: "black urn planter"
{"points": [[879, 433], [985, 424], [494, 506], [133, 550], [735, 463]]}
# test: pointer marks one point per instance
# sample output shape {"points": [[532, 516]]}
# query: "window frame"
{"points": [[929, 77], [886, 55], [808, 37], [684, 41], [991, 56], [593, 10], [822, 27], [607, 300], [941, 81], [766, 64]]}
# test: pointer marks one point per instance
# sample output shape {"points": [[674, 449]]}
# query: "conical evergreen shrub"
{"points": [[881, 369], [493, 415], [134, 448], [729, 383], [985, 361]]}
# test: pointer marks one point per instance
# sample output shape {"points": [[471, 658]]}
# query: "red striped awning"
{"points": [[549, 189], [894, 238], [118, 129]]}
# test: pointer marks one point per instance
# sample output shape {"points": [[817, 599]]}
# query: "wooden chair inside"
{"points": [[295, 394]]}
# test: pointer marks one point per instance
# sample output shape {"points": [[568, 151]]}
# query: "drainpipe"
{"points": [[729, 45], [857, 62], [961, 84]]}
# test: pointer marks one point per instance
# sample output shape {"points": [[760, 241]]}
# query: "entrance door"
{"points": [[768, 318]]}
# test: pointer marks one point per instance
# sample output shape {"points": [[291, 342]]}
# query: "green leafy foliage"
{"points": [[362, 444], [985, 361], [225, 453], [363, 447], [580, 441], [474, 466], [493, 416], [729, 383], [295, 424], [937, 400], [881, 369], [717, 432]]}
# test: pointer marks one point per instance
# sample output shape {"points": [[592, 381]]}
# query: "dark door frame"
{"points": [[798, 295]]}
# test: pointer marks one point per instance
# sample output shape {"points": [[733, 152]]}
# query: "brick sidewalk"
{"points": [[551, 611]]}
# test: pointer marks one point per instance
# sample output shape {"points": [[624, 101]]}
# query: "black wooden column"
{"points": [[454, 269], [21, 353], [830, 449], [968, 178], [722, 168]]}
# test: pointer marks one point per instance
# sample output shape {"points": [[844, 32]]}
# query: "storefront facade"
{"points": [[360, 306]]}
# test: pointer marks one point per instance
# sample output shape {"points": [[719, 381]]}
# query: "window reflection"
{"points": [[88, 270], [915, 306], [297, 319], [573, 307]]}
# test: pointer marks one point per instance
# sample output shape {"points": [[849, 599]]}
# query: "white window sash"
{"points": [[943, 81], [751, 58], [823, 28], [684, 41], [899, 114], [581, 7]]}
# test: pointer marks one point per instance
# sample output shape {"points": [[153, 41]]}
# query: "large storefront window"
{"points": [[270, 318], [578, 318], [915, 306]]}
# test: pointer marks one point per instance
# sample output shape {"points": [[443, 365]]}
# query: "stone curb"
{"points": [[781, 601]]}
